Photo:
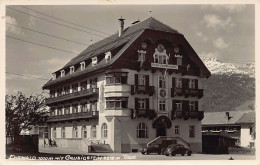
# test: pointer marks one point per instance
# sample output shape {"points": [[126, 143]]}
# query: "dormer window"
{"points": [[108, 56], [72, 69], [94, 61], [179, 61], [82, 65], [53, 76], [160, 55], [141, 56], [62, 73]]}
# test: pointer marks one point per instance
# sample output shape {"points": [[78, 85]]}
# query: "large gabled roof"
{"points": [[114, 40], [129, 35]]}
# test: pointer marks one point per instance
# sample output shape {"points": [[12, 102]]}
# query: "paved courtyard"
{"points": [[139, 156]]}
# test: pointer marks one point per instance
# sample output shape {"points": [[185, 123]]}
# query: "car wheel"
{"points": [[143, 153], [147, 153], [189, 153], [182, 154], [167, 154]]}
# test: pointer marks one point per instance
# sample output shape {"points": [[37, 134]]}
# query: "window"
{"points": [[191, 131], [93, 83], [67, 110], [67, 89], [141, 56], [178, 83], [75, 132], [179, 106], [176, 130], [141, 80], [94, 61], [59, 92], [116, 78], [62, 73], [162, 82], [162, 105], [59, 111], [53, 76], [75, 108], [108, 56], [142, 131], [83, 85], [82, 65], [141, 103], [54, 133], [192, 105], [72, 69], [84, 107], [93, 106], [179, 61], [52, 93], [104, 130], [63, 133], [192, 84], [84, 131], [116, 102], [162, 59], [93, 131], [75, 88]]}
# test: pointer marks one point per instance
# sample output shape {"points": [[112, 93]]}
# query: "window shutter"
{"points": [[173, 82], [196, 106], [136, 79], [147, 103], [146, 80], [185, 83], [90, 83], [185, 105], [136, 104], [173, 109], [196, 84]]}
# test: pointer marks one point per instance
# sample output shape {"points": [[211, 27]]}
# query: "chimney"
{"points": [[228, 116], [121, 29]]}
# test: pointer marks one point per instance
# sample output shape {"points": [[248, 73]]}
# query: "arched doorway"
{"points": [[161, 124]]}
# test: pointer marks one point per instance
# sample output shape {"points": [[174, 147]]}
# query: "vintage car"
{"points": [[174, 149], [159, 144]]}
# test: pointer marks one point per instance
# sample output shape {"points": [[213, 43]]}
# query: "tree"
{"points": [[22, 113]]}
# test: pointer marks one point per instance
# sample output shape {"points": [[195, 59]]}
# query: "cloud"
{"points": [[11, 28], [220, 43], [215, 22], [202, 36], [229, 8], [56, 63], [205, 55]]}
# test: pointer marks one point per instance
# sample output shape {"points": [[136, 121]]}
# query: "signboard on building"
{"points": [[168, 66]]}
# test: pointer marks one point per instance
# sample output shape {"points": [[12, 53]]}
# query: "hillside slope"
{"points": [[229, 88]]}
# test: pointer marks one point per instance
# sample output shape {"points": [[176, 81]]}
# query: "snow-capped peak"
{"points": [[217, 67]]}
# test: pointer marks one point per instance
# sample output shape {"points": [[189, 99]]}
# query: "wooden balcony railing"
{"points": [[187, 92], [71, 96], [188, 114], [146, 113], [136, 89], [74, 116]]}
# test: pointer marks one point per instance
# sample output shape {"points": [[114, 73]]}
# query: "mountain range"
{"points": [[230, 87]]}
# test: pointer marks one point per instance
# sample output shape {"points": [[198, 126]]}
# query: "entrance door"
{"points": [[161, 131]]}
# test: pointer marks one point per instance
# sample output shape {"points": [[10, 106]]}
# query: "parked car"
{"points": [[152, 149], [174, 149]]}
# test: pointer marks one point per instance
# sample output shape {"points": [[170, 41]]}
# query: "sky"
{"points": [[226, 32]]}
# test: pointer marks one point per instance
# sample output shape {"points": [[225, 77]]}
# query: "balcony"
{"points": [[117, 90], [189, 114], [187, 92], [137, 89], [71, 96], [74, 116], [118, 112], [146, 113]]}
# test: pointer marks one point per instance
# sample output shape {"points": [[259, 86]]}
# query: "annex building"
{"points": [[124, 91]]}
